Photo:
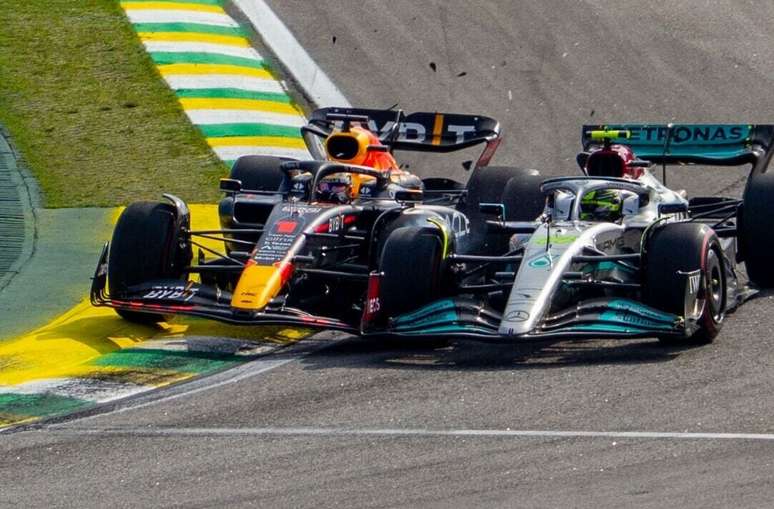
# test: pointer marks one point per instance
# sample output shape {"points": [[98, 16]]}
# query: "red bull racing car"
{"points": [[349, 241]]}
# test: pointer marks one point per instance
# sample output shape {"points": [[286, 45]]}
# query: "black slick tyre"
{"points": [[411, 264], [522, 197], [756, 227], [518, 189], [144, 247], [259, 173], [672, 252]]}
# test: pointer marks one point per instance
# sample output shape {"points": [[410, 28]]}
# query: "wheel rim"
{"points": [[714, 286]]}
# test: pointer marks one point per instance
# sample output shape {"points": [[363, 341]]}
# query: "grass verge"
{"points": [[95, 123]]}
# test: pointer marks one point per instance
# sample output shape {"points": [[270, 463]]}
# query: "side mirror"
{"points": [[492, 209], [301, 185], [230, 185], [673, 208], [631, 205], [409, 195], [582, 158]]}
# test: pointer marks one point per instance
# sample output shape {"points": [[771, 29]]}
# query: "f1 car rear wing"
{"points": [[713, 144], [425, 132]]}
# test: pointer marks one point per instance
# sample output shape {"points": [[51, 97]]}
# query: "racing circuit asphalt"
{"points": [[276, 438]]}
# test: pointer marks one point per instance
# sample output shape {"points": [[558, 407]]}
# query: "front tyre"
{"points": [[674, 252], [411, 263], [145, 247]]}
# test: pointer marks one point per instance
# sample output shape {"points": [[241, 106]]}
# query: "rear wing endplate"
{"points": [[715, 144]]}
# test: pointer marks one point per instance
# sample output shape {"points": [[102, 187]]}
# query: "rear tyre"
{"points": [[756, 225], [411, 263], [144, 247], [259, 173], [516, 188], [522, 197], [684, 248]]}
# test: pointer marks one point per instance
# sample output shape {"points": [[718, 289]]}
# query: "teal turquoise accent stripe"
{"points": [[641, 309], [447, 317], [705, 141], [451, 329], [436, 307]]}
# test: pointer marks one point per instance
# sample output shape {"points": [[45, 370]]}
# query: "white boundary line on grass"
{"points": [[276, 35]]}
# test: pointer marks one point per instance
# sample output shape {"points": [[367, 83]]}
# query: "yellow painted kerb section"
{"points": [[238, 104], [223, 40], [171, 6], [237, 70], [257, 141]]}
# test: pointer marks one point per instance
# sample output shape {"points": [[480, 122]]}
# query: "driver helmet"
{"points": [[602, 205], [336, 188]]}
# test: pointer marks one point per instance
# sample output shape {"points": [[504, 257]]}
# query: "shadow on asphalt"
{"points": [[469, 355]]}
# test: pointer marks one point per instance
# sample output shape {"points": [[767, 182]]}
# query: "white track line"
{"points": [[214, 117], [178, 81], [271, 361], [233, 153], [306, 431], [86, 389], [201, 47], [317, 85], [180, 16]]}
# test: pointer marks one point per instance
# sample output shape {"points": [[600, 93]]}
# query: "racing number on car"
{"points": [[374, 305]]}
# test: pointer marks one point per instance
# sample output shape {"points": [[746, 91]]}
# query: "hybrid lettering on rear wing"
{"points": [[716, 144]]}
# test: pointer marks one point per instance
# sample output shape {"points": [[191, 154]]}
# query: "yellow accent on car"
{"points": [[256, 287], [438, 129], [609, 134], [445, 233]]}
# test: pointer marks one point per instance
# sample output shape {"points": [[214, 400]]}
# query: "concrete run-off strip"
{"points": [[18, 196]]}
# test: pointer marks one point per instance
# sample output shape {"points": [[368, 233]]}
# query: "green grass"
{"points": [[94, 121]]}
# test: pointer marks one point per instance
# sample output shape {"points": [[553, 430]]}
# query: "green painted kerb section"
{"points": [[37, 405], [191, 28], [181, 362], [169, 58]]}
